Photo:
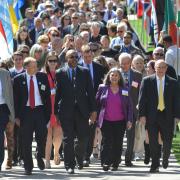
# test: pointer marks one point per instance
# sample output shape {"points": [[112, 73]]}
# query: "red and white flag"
{"points": [[3, 44]]}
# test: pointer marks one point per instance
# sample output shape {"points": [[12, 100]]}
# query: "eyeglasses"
{"points": [[74, 17], [158, 54], [52, 61], [127, 37], [73, 57], [94, 50], [120, 31], [55, 35]]}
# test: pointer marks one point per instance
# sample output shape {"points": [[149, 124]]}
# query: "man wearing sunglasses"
{"points": [[74, 106], [158, 54]]}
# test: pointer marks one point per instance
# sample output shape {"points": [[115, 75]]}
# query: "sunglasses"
{"points": [[55, 35], [25, 52], [52, 61], [73, 57], [158, 54]]}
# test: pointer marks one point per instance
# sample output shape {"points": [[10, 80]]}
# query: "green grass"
{"points": [[141, 32], [176, 146]]}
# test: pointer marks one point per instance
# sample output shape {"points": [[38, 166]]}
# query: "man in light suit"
{"points": [[159, 104], [6, 107], [132, 80], [74, 105], [32, 111]]}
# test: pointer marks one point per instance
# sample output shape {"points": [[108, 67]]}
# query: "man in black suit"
{"points": [[132, 80], [158, 106], [74, 106], [97, 75], [32, 111]]}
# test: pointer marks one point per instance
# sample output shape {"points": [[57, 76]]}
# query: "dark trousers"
{"points": [[17, 155], [33, 121], [166, 131], [130, 134], [113, 134], [76, 132], [90, 143], [4, 118]]}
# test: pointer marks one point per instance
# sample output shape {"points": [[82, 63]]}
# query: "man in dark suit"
{"points": [[32, 111], [132, 80], [158, 106], [97, 75], [74, 106]]}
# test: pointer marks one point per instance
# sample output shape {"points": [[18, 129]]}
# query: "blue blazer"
{"points": [[101, 98]]}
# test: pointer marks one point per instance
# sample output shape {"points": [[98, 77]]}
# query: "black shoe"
{"points": [[80, 166], [128, 163], [40, 163], [165, 164], [114, 169], [105, 167], [154, 170], [61, 157], [70, 171], [28, 172], [86, 163]]}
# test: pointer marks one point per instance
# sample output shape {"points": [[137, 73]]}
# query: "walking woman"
{"points": [[115, 115], [54, 129]]}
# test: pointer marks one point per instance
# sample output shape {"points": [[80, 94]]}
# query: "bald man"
{"points": [[158, 106]]}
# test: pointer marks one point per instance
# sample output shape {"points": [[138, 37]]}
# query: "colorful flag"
{"points": [[13, 18], [140, 8], [170, 21], [17, 5], [6, 22], [147, 15], [3, 44], [154, 23], [178, 13]]}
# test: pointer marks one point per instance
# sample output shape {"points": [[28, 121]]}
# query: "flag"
{"points": [[140, 8], [154, 23], [3, 44], [130, 3], [170, 22], [147, 15], [6, 23], [17, 5], [13, 18], [178, 13]]}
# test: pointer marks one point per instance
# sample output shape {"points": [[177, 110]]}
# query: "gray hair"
{"points": [[124, 56]]}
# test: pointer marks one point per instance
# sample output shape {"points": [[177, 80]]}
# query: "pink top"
{"points": [[113, 110]]}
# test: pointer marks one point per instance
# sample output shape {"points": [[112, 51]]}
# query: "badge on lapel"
{"points": [[135, 84], [43, 87], [23, 82], [124, 92]]}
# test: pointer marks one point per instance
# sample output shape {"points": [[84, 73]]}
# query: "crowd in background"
{"points": [[75, 114]]}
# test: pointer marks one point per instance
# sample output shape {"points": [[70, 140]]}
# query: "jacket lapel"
{"points": [[154, 88], [166, 83], [25, 84]]}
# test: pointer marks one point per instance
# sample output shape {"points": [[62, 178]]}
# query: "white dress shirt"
{"points": [[158, 82], [2, 100], [38, 100]]}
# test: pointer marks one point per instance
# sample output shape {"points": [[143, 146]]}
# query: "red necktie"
{"points": [[31, 93]]}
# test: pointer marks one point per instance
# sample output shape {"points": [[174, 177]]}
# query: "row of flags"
{"points": [[147, 10], [9, 21]]}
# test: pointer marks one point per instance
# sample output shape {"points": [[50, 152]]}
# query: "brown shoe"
{"points": [[9, 164]]}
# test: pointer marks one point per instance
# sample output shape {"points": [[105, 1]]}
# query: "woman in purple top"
{"points": [[114, 116]]}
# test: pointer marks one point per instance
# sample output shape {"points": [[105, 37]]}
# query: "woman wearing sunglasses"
{"points": [[54, 135]]}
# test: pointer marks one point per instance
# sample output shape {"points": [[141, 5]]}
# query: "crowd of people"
{"points": [[79, 80]]}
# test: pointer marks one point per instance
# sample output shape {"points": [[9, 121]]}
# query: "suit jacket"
{"points": [[101, 98], [32, 34], [136, 77], [171, 72], [148, 100], [65, 93], [98, 75], [21, 94], [7, 91]]}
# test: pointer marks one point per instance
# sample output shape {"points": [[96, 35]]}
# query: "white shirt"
{"points": [[2, 100], [90, 69], [18, 71], [171, 58], [158, 82], [38, 100]]}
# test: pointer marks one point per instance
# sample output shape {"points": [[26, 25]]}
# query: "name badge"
{"points": [[53, 91], [124, 93], [43, 87], [135, 84]]}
